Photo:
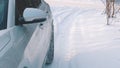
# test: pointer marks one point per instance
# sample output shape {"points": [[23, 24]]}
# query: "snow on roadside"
{"points": [[76, 3], [83, 40]]}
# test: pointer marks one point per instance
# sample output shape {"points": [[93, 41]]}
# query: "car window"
{"points": [[3, 14], [1, 11], [35, 3], [22, 4]]}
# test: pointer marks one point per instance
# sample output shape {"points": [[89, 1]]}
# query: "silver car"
{"points": [[26, 34]]}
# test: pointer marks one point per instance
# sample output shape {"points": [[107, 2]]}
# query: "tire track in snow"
{"points": [[61, 36]]}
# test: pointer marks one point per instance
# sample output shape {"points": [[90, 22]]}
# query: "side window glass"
{"points": [[3, 14], [19, 9], [36, 3]]}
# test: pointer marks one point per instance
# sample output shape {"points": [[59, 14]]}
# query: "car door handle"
{"points": [[41, 25]]}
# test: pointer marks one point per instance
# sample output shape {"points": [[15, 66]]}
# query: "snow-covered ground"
{"points": [[82, 38], [76, 3]]}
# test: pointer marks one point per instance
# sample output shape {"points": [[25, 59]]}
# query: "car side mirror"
{"points": [[33, 15]]}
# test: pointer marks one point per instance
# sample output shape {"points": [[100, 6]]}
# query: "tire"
{"points": [[50, 55]]}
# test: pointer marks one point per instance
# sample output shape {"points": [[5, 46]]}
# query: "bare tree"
{"points": [[110, 9]]}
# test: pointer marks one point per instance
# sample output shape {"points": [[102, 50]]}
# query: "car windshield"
{"points": [[3, 13]]}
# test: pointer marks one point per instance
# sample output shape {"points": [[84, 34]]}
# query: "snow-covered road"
{"points": [[82, 38]]}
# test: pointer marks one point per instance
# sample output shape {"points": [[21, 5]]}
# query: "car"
{"points": [[26, 34]]}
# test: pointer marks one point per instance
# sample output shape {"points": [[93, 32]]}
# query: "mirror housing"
{"points": [[33, 15]]}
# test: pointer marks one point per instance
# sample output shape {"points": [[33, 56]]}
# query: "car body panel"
{"points": [[37, 48], [4, 40], [25, 45], [11, 54], [11, 14]]}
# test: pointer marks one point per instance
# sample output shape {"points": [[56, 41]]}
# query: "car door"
{"points": [[37, 48], [4, 38], [8, 36], [13, 38]]}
